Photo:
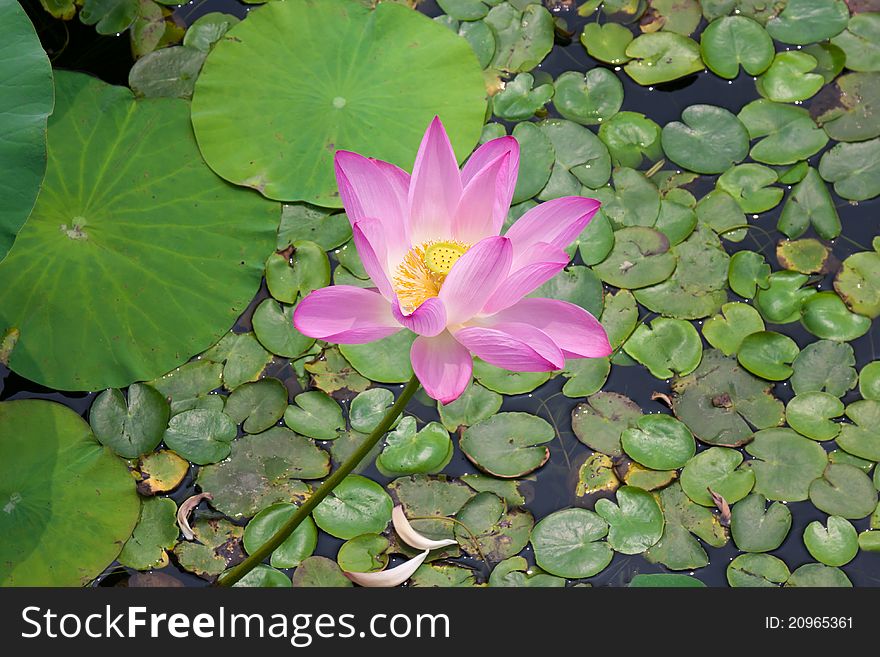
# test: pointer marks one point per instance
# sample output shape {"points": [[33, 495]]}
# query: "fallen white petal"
{"points": [[183, 513], [391, 577], [411, 537]]}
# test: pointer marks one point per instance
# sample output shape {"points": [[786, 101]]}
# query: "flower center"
{"points": [[423, 270]]}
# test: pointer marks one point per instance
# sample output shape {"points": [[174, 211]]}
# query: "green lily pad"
{"points": [[747, 272], [781, 301], [508, 444], [869, 380], [726, 331], [607, 42], [818, 575], [520, 99], [787, 133], [261, 470], [631, 138], [576, 284], [619, 317], [332, 373], [807, 21], [785, 464], [315, 415], [718, 469], [408, 451], [444, 575], [635, 523], [167, 73], [92, 220], [596, 240], [826, 316], [523, 37], [640, 257], [840, 456], [498, 532], [635, 200], [569, 543], [295, 548], [793, 174], [475, 404], [356, 506], [869, 541], [319, 572], [768, 355], [507, 489], [160, 472], [304, 222], [810, 203], [847, 108], [861, 42], [831, 59], [273, 329], [601, 421], [854, 168], [291, 277], [679, 549], [201, 436], [585, 376], [130, 427], [836, 544], [648, 479], [515, 572], [364, 554], [432, 497], [590, 98], [107, 16], [677, 221], [386, 360], [263, 577], [670, 346], [708, 140], [679, 16], [844, 490], [242, 356], [207, 30], [190, 384], [258, 404], [217, 546], [757, 570], [659, 442], [464, 10], [27, 99], [730, 41], [155, 533], [720, 402], [789, 78], [662, 56], [807, 256], [810, 414], [506, 382], [665, 580], [722, 212], [537, 156], [756, 528], [581, 159], [858, 283], [290, 158], [750, 184]]}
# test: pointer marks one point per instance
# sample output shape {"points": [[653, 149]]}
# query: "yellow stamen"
{"points": [[423, 270]]}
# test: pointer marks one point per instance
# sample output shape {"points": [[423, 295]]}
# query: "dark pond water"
{"points": [[75, 46]]}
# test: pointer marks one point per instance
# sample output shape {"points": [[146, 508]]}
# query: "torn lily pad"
{"points": [[217, 546]]}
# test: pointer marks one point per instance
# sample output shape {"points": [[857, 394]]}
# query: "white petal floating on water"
{"points": [[183, 513], [413, 538], [391, 577]]}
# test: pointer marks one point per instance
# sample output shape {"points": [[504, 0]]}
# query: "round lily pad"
{"points": [[785, 464], [498, 532], [757, 528], [768, 354], [640, 257], [295, 548], [119, 169], [787, 133], [319, 572], [508, 444], [662, 56], [807, 256], [581, 159], [26, 99], [635, 523], [750, 184], [659, 442], [844, 490], [748, 271], [835, 544], [858, 283], [130, 427], [316, 415], [869, 381], [200, 435], [708, 139], [520, 98], [754, 570], [631, 137], [523, 35], [69, 503], [781, 300], [854, 168], [600, 422], [263, 576], [718, 469], [668, 346], [257, 405], [386, 360], [818, 575], [568, 543], [475, 404], [408, 451], [860, 42], [790, 78], [363, 554], [590, 98], [807, 21], [384, 87], [730, 41], [847, 109], [160, 472], [356, 506], [826, 316], [811, 413], [727, 331], [607, 42]]}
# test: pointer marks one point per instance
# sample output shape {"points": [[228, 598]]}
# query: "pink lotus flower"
{"points": [[431, 244]]}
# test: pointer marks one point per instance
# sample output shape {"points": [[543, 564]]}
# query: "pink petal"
{"points": [[557, 222], [544, 262], [485, 154], [477, 215], [474, 278], [443, 366], [369, 240], [345, 314], [435, 187], [518, 347], [429, 319], [577, 332], [377, 189]]}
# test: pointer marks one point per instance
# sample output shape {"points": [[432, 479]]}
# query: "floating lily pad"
{"points": [[858, 283], [631, 137], [818, 575], [475, 404], [295, 548], [576, 284], [640, 257], [243, 358], [430, 496], [201, 436], [590, 98], [600, 422], [662, 56], [290, 158], [847, 108], [750, 184], [507, 489], [768, 354], [659, 442], [155, 533], [27, 98], [730, 41], [521, 99], [160, 472], [676, 221], [869, 541], [263, 577], [386, 360], [757, 528], [516, 572], [785, 464], [217, 546], [861, 42], [670, 346], [854, 168], [665, 580], [807, 21], [757, 570], [93, 220], [807, 256], [607, 42], [836, 544], [508, 444], [523, 37], [315, 415], [408, 451], [780, 302], [273, 328], [569, 543], [635, 200], [619, 317], [869, 380], [747, 272], [648, 479], [537, 156], [585, 376], [723, 213], [364, 554], [708, 140], [506, 382], [130, 427], [356, 506], [718, 469], [826, 316], [261, 470], [787, 133], [167, 73], [319, 572], [332, 373], [498, 532], [596, 475], [581, 159], [444, 575], [727, 331], [258, 405], [190, 384], [207, 30], [790, 78], [635, 523], [720, 402], [844, 490]]}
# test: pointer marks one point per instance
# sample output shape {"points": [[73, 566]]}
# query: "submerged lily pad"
{"points": [[508, 444], [120, 167], [69, 502], [217, 546], [376, 54]]}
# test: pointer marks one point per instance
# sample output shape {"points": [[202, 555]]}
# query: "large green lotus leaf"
{"points": [[26, 99], [115, 277], [333, 74], [785, 464], [69, 503]]}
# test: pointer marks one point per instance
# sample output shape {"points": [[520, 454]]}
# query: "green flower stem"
{"points": [[233, 575]]}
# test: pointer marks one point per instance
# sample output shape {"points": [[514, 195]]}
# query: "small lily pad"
{"points": [[589, 99], [768, 354], [810, 203], [585, 376], [263, 576], [757, 570], [748, 271], [130, 427], [607, 42], [846, 109], [243, 358], [869, 380], [217, 546], [155, 533], [516, 572], [581, 159], [332, 373], [818, 575], [861, 42], [600, 422], [569, 543], [858, 283], [807, 256], [731, 41], [718, 469], [596, 475], [386, 360], [726, 331], [708, 139], [810, 415], [432, 497], [475, 404], [258, 404], [757, 528], [523, 36], [640, 257], [669, 346], [508, 444], [160, 472], [836, 544], [826, 316], [316, 415], [659, 442], [521, 99], [506, 382], [787, 133], [781, 301], [273, 323], [631, 138], [662, 56], [201, 436], [496, 532], [853, 168], [319, 572], [844, 490], [635, 522], [785, 464], [364, 554], [356, 506], [807, 21], [295, 548], [750, 184], [408, 451], [537, 156], [790, 78]]}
